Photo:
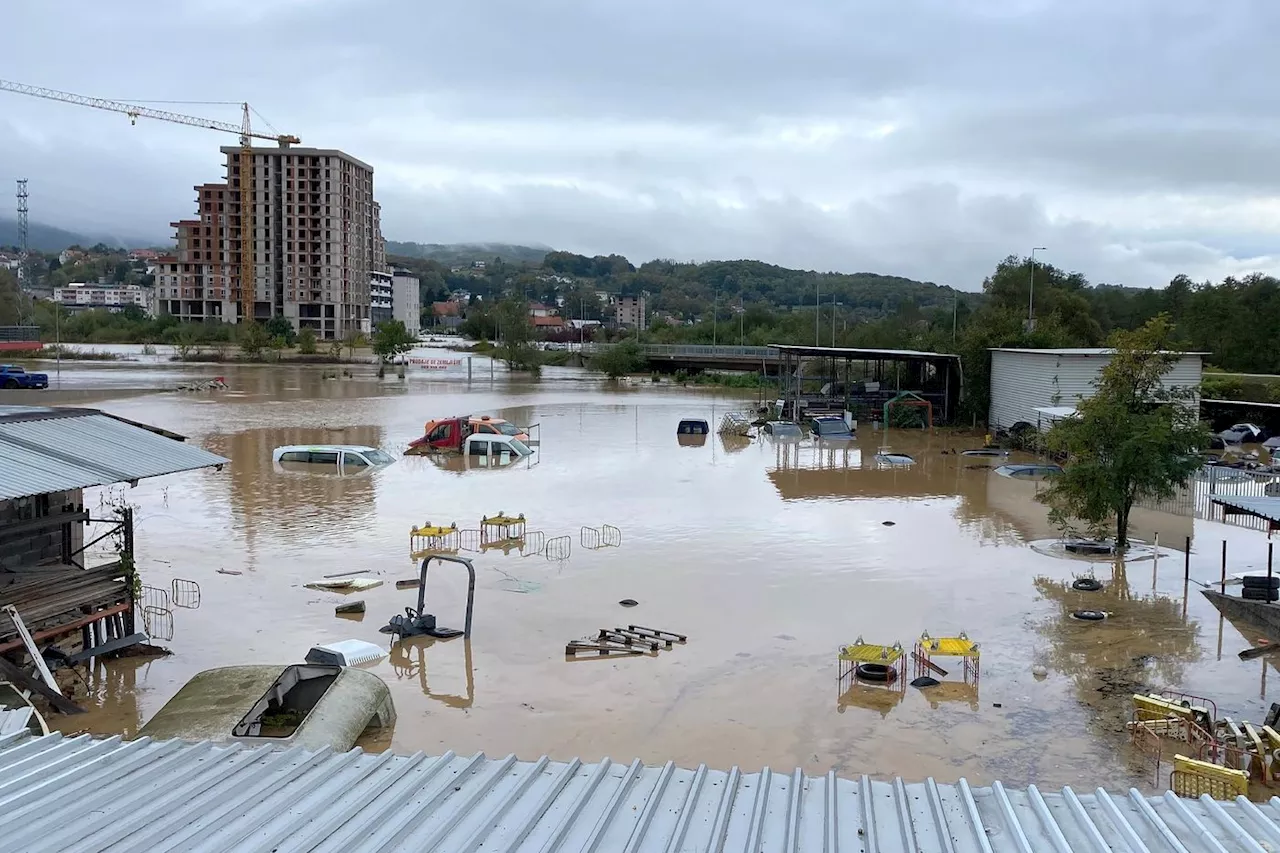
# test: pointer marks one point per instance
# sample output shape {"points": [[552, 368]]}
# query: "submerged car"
{"points": [[343, 458], [448, 434], [830, 427], [494, 451], [1030, 471], [783, 430]]}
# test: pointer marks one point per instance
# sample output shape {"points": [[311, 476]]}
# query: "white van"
{"points": [[346, 458]]}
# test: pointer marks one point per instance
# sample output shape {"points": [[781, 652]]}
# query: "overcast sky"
{"points": [[927, 138]]}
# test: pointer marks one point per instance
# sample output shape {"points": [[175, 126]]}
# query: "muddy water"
{"points": [[768, 556]]}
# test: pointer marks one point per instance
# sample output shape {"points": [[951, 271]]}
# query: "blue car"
{"points": [[12, 376]]}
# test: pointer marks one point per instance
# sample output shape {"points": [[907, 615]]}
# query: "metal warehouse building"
{"points": [[1038, 386]]}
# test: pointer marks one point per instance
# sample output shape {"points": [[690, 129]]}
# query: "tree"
{"points": [[279, 327], [392, 339], [307, 341], [619, 360], [351, 340], [1135, 439], [515, 335], [253, 339]]}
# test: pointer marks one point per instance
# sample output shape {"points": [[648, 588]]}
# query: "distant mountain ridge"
{"points": [[463, 254], [50, 238]]}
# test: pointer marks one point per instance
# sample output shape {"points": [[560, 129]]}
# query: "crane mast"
{"points": [[248, 268]]}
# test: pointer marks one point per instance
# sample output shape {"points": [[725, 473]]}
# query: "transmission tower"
{"points": [[23, 284]]}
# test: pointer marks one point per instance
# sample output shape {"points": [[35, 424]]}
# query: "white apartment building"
{"points": [[381, 297], [406, 300], [83, 297]]}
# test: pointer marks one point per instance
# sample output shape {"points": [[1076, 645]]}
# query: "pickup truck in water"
{"points": [[12, 376]]}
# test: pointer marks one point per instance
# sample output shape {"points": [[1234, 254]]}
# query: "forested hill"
{"points": [[465, 254], [686, 290]]}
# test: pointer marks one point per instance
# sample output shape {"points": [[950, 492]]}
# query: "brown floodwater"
{"points": [[768, 556]]}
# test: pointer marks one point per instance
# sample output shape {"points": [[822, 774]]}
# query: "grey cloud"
{"points": [[698, 128]]}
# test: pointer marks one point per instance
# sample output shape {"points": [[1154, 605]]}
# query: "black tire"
{"points": [[11, 384], [1261, 582], [1255, 594], [875, 672], [1089, 615], [1086, 584]]}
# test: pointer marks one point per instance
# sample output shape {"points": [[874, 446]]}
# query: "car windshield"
{"points": [[520, 447], [830, 426], [507, 428], [377, 457], [12, 369], [785, 429]]}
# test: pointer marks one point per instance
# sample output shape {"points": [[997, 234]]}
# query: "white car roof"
{"points": [[359, 448]]}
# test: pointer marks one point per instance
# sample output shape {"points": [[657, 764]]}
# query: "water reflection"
{"points": [[320, 503], [409, 659]]}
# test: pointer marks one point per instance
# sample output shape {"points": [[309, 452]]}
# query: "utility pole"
{"points": [[817, 310], [833, 319], [1031, 291], [23, 259], [955, 312], [715, 305], [742, 323]]}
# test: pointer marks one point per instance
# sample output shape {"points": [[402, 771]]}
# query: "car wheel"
{"points": [[1089, 615], [11, 383], [1086, 584]]}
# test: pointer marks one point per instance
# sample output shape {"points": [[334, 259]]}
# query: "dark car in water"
{"points": [[12, 376], [830, 427], [783, 430]]}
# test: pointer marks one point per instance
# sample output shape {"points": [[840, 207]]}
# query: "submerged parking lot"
{"points": [[769, 556]]}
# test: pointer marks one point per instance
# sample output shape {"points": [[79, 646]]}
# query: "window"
{"points": [[295, 456], [324, 457], [478, 448], [354, 460], [439, 433], [377, 457]]}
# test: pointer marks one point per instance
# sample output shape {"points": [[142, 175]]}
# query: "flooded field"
{"points": [[769, 556]]}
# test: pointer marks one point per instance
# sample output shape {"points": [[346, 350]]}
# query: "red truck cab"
{"points": [[448, 434]]}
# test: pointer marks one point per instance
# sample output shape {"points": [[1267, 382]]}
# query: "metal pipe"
{"points": [[1186, 564], [1223, 587]]}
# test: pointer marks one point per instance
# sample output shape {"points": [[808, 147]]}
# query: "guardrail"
{"points": [[693, 351]]}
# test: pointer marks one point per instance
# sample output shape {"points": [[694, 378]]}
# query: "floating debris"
{"points": [[345, 584], [628, 602]]}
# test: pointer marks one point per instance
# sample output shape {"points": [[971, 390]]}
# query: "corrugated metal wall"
{"points": [[1022, 382]]}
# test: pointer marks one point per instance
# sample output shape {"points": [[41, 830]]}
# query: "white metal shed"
{"points": [[1024, 381]]}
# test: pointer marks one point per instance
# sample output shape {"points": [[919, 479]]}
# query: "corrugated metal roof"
{"points": [[1268, 508], [860, 352], [81, 448], [81, 794]]}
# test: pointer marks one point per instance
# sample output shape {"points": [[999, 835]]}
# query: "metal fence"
{"points": [[19, 334], [1196, 499]]}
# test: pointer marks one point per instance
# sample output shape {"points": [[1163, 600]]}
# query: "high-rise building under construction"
{"points": [[317, 238]]}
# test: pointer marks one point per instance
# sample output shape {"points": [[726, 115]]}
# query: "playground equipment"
{"points": [[961, 646], [501, 528]]}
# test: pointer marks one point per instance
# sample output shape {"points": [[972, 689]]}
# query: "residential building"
{"points": [[143, 255], [1039, 386], [548, 323], [316, 239], [630, 311], [194, 283], [380, 297], [537, 309], [111, 297], [406, 300]]}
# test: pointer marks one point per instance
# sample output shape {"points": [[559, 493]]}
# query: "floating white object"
{"points": [[345, 584], [345, 653]]}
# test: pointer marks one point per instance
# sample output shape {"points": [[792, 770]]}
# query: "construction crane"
{"points": [[248, 273]]}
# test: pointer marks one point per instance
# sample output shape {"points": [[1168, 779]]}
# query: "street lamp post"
{"points": [[1031, 291], [715, 310], [817, 310]]}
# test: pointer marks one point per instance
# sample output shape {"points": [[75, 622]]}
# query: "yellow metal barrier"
{"points": [[1192, 778]]}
